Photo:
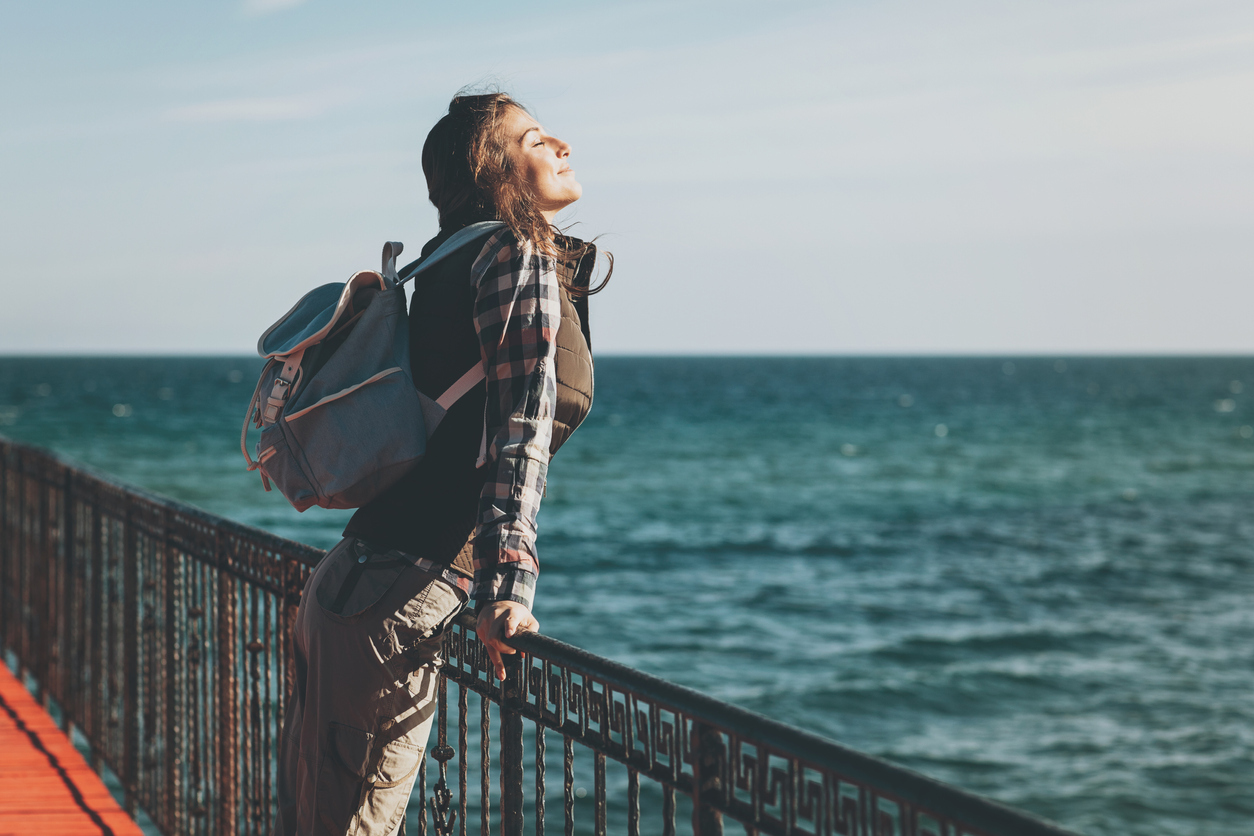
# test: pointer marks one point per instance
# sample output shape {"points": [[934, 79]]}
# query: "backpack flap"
{"points": [[316, 314], [319, 313]]}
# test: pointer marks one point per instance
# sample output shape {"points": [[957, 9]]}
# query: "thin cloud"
{"points": [[256, 8], [257, 109]]}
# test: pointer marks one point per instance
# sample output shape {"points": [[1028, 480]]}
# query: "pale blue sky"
{"points": [[837, 177]]}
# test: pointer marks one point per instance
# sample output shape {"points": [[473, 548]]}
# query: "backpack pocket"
{"points": [[367, 416], [282, 466]]}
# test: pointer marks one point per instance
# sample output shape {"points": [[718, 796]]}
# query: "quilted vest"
{"points": [[574, 353], [433, 510]]}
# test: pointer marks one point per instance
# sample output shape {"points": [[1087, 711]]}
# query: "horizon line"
{"points": [[1029, 355]]}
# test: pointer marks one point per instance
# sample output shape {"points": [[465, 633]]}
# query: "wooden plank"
{"points": [[46, 788]]}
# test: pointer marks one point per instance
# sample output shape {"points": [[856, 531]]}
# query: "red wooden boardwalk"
{"points": [[46, 788]]}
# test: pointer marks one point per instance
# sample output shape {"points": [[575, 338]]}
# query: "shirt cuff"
{"points": [[509, 582]]}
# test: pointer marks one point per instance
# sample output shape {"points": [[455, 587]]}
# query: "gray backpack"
{"points": [[340, 418]]}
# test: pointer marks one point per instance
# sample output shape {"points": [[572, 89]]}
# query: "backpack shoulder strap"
{"points": [[476, 374], [464, 384], [455, 242]]}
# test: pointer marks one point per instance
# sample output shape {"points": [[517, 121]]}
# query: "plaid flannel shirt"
{"points": [[518, 308]]}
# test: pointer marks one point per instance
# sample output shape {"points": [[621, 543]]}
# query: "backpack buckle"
{"points": [[275, 402]]}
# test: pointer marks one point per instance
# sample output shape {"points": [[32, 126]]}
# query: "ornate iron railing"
{"points": [[162, 633]]}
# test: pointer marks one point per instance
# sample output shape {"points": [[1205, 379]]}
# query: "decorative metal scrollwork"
{"points": [[443, 816], [171, 650]]}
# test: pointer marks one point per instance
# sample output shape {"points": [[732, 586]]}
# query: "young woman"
{"points": [[461, 525]]}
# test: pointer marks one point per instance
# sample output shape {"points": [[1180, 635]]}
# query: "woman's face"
{"points": [[542, 161]]}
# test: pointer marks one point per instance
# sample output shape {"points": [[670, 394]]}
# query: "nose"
{"points": [[563, 148]]}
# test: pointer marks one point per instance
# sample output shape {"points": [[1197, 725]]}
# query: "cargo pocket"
{"points": [[356, 580], [389, 786], [421, 621], [345, 766]]}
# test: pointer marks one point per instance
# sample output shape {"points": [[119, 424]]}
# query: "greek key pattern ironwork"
{"points": [[164, 634], [769, 778]]}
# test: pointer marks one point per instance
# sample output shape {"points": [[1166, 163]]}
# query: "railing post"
{"points": [[6, 549], [50, 636], [130, 664], [22, 541], [95, 714], [512, 748], [228, 719], [709, 757], [70, 663], [174, 678], [42, 598]]}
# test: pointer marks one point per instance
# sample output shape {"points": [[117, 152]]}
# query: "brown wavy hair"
{"points": [[470, 178]]}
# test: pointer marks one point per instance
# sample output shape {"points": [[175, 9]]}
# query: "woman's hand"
{"points": [[503, 619]]}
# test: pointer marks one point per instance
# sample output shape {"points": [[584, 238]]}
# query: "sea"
{"points": [[1031, 577]]}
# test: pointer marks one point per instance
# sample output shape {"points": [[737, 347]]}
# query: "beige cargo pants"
{"points": [[367, 657]]}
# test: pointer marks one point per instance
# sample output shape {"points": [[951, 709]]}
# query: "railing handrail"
{"points": [[87, 493], [899, 781], [309, 555]]}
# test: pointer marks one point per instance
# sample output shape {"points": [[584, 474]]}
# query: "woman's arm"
{"points": [[517, 313]]}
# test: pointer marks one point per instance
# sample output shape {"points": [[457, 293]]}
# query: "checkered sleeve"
{"points": [[517, 313]]}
